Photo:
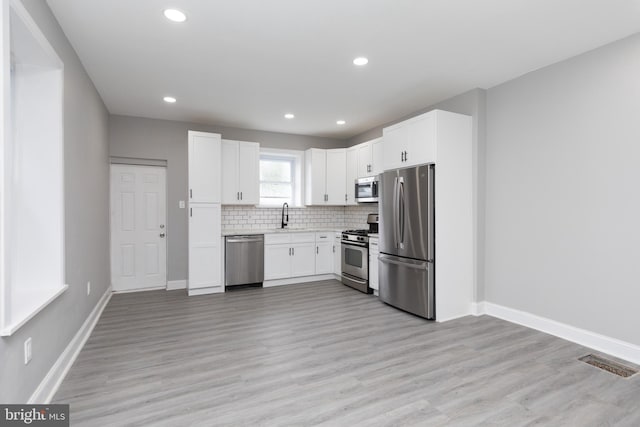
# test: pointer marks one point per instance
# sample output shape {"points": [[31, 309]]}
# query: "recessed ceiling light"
{"points": [[175, 15], [340, 122], [361, 60], [289, 116], [169, 99]]}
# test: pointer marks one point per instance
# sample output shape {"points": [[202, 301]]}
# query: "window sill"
{"points": [[37, 301]]}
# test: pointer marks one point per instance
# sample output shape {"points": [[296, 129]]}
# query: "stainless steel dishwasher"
{"points": [[244, 259]]}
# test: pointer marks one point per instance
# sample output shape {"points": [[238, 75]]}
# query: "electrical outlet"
{"points": [[181, 204], [89, 288], [27, 351]]}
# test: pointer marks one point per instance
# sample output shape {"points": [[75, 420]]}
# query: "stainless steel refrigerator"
{"points": [[407, 244]]}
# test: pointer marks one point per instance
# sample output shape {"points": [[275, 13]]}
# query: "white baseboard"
{"points": [[51, 382], [478, 308], [605, 344], [154, 288], [172, 285], [296, 280], [205, 291]]}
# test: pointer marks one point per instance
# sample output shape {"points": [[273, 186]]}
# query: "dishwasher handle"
{"points": [[245, 239]]}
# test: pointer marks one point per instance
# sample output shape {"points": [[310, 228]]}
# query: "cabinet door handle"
{"points": [[289, 251], [293, 251], [317, 250], [401, 156], [405, 156], [237, 195], [241, 195], [190, 211], [334, 249], [190, 193]]}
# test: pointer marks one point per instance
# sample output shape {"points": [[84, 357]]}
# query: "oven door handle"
{"points": [[360, 245], [355, 279]]}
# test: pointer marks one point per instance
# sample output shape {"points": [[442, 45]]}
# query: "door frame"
{"points": [[159, 165]]}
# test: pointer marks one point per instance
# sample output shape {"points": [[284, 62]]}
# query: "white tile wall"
{"points": [[249, 217]]}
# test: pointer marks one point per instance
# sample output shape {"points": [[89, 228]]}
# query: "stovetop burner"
{"points": [[357, 232]]}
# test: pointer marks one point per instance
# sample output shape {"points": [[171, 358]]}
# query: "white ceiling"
{"points": [[244, 63]]}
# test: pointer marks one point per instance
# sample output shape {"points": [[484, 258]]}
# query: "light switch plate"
{"points": [[181, 204]]}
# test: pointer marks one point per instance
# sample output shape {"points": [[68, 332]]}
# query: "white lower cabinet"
{"points": [[303, 259], [205, 252], [324, 253], [337, 254], [289, 254], [292, 254], [373, 263], [277, 261]]}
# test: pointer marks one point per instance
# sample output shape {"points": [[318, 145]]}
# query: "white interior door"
{"points": [[138, 227]]}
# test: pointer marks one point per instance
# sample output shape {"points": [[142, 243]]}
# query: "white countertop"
{"points": [[278, 230]]}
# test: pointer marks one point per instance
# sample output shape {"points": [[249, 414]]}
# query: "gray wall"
{"points": [[135, 137], [563, 205], [86, 222], [472, 103]]}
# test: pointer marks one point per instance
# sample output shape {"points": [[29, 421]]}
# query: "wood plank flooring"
{"points": [[324, 354]]}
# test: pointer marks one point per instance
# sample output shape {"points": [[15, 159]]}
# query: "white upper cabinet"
{"points": [[316, 181], [204, 167], [352, 174], [336, 176], [411, 142], [377, 156], [325, 172], [240, 168], [364, 160]]}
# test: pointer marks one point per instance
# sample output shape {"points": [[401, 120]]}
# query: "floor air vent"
{"points": [[608, 365]]}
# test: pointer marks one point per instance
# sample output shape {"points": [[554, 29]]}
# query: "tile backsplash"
{"points": [[340, 217]]}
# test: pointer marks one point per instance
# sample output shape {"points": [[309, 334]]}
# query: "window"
{"points": [[280, 177], [31, 173]]}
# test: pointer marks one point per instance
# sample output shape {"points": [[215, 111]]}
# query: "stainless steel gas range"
{"points": [[355, 256]]}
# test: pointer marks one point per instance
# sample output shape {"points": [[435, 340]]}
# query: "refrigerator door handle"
{"points": [[424, 265], [401, 212], [395, 212], [430, 215]]}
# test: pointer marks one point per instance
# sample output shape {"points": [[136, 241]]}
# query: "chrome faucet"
{"points": [[285, 223]]}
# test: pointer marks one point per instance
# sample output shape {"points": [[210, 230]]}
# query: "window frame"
{"points": [[296, 158], [34, 82]]}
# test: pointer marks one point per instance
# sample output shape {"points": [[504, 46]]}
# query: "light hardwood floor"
{"points": [[324, 354]]}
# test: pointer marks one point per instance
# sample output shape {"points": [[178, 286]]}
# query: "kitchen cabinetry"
{"points": [[240, 168], [364, 160], [324, 253], [368, 158], [205, 251], [337, 254], [205, 218], [373, 263], [325, 172], [377, 156], [204, 167], [352, 175], [410, 143], [289, 254]]}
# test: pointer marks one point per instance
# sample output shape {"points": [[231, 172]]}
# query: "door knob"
{"points": [[161, 235], [161, 225]]}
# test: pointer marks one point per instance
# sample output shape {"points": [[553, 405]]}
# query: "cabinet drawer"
{"points": [[277, 238], [323, 237], [303, 237]]}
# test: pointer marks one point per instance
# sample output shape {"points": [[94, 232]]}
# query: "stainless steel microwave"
{"points": [[367, 189]]}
